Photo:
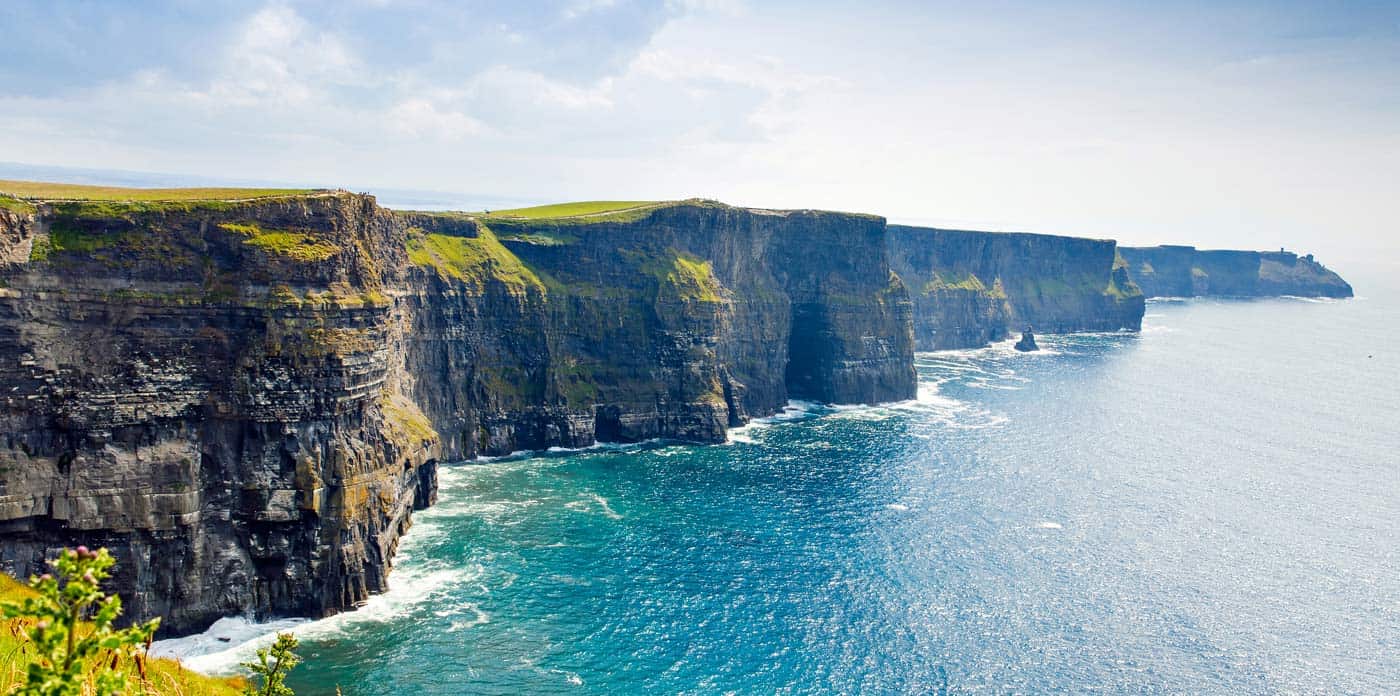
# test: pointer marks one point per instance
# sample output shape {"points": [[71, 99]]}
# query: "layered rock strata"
{"points": [[970, 288], [1184, 271], [246, 400]]}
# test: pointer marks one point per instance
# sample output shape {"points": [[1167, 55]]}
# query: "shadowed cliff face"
{"points": [[970, 288], [245, 401], [1183, 271], [677, 322], [204, 389]]}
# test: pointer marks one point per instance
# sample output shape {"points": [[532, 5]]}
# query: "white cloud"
{"points": [[277, 56], [504, 82], [420, 117], [772, 104]]}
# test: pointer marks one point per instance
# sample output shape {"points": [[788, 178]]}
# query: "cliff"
{"points": [[245, 399], [1184, 271], [969, 288]]}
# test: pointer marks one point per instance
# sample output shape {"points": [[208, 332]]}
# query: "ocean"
{"points": [[1209, 506]]}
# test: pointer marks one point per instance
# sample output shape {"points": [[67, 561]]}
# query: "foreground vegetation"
{"points": [[41, 190], [56, 638]]}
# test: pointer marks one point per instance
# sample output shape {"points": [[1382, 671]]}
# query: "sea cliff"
{"points": [[246, 399], [970, 288], [1184, 271]]}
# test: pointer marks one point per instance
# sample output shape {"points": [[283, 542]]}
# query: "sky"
{"points": [[1221, 124]]}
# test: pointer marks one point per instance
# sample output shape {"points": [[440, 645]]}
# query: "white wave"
{"points": [[226, 633], [611, 446], [794, 410], [1050, 525], [528, 453], [478, 618], [488, 510], [741, 435], [586, 506], [571, 677], [231, 641], [963, 352], [901, 507], [500, 457]]}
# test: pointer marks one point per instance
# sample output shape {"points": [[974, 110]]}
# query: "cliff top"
{"points": [[1005, 233], [591, 212], [576, 209], [21, 196], [46, 191]]}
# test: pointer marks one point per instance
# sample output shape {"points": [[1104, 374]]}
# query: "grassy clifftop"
{"points": [[46, 191], [576, 209]]}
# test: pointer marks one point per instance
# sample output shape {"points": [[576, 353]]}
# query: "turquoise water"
{"points": [[1210, 506]]}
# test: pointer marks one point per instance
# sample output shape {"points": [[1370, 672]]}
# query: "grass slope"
{"points": [[79, 192], [164, 676], [302, 246], [559, 210], [473, 260]]}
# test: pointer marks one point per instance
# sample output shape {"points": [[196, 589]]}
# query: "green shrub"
{"points": [[272, 667], [65, 642]]}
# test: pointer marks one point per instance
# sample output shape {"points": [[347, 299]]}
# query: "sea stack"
{"points": [[1027, 342]]}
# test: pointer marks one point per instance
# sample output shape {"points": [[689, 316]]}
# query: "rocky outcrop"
{"points": [[1184, 271], [970, 288], [1027, 343], [245, 401]]}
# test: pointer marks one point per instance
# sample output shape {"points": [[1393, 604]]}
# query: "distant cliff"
{"points": [[246, 399], [1183, 271], [970, 288]]}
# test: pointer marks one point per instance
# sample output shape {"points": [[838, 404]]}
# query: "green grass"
{"points": [[562, 210], [41, 190], [16, 205], [1117, 292], [954, 281], [164, 676], [473, 260], [694, 279], [294, 244], [688, 277], [405, 420]]}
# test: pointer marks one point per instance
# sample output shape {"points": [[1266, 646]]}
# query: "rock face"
{"points": [[675, 322], [970, 288], [1183, 271], [245, 401]]}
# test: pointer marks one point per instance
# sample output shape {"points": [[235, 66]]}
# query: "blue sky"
{"points": [[1255, 124]]}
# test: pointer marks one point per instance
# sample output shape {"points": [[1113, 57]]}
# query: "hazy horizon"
{"points": [[1237, 125]]}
